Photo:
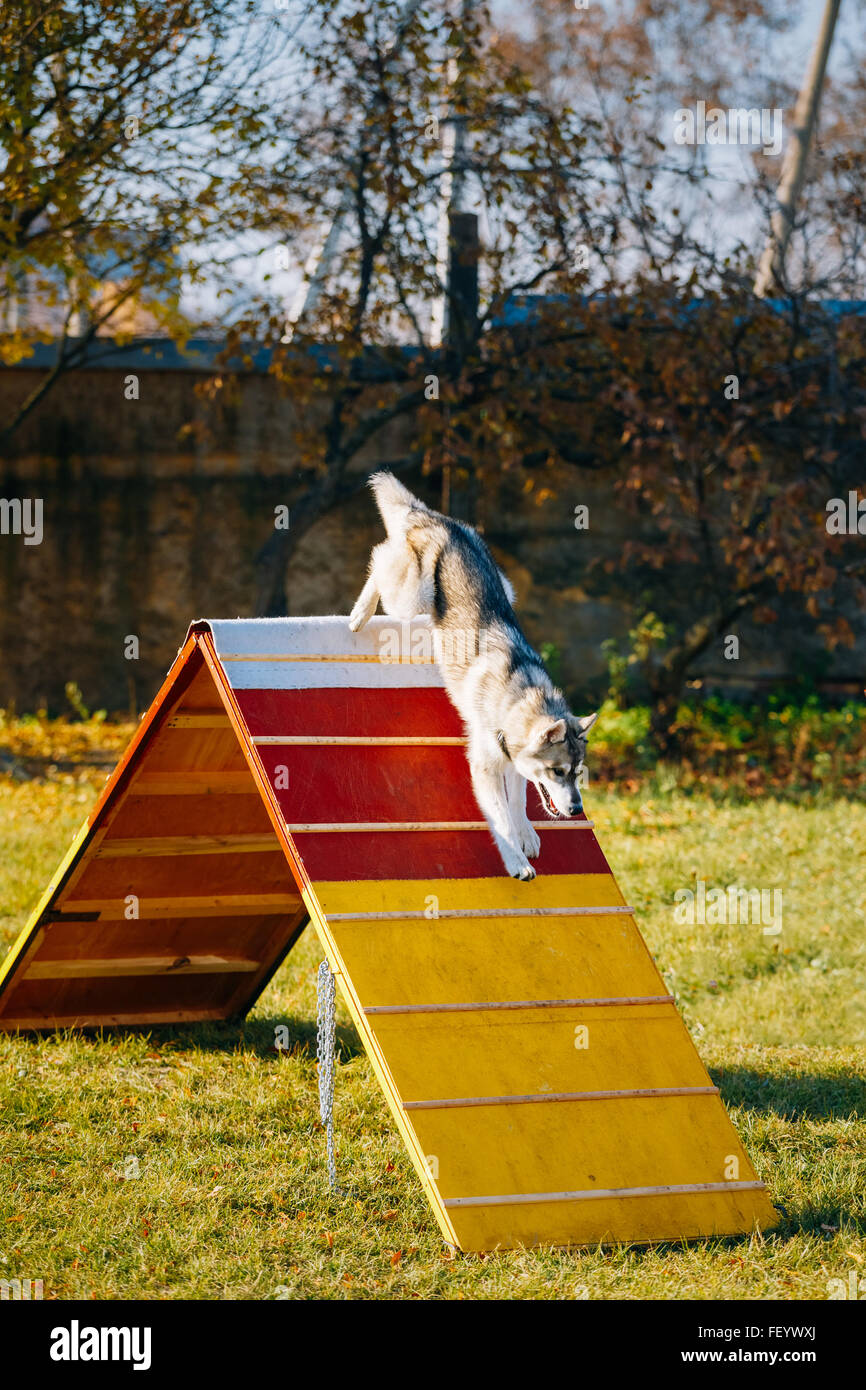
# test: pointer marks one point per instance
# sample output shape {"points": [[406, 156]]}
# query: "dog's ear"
{"points": [[585, 723], [549, 731]]}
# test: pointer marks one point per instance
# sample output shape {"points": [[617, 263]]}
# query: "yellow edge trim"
{"points": [[28, 932]]}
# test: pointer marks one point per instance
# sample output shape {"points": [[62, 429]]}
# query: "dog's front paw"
{"points": [[530, 841], [518, 866], [357, 619]]}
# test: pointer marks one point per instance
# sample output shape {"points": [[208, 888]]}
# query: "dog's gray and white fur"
{"points": [[517, 723]]}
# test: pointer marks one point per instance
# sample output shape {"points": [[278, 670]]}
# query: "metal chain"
{"points": [[325, 1043]]}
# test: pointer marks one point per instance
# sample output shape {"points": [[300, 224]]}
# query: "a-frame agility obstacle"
{"points": [[532, 1057]]}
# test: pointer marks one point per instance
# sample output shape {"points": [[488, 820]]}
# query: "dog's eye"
{"points": [[559, 772]]}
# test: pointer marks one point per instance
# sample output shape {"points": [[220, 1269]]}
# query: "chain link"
{"points": [[325, 1046]]}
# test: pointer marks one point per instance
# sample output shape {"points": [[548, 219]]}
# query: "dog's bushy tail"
{"points": [[393, 500]]}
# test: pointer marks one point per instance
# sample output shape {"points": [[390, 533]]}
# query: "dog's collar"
{"points": [[500, 739]]}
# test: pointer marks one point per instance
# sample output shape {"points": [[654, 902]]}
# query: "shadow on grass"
{"points": [[258, 1035], [794, 1097]]}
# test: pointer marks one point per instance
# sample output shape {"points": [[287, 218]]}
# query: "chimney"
{"points": [[462, 306]]}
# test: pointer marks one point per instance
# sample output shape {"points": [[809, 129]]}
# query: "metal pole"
{"points": [[452, 194], [794, 165]]}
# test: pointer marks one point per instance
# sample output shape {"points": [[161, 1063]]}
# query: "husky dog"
{"points": [[517, 723]]}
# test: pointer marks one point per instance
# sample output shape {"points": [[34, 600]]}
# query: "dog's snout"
{"points": [[576, 807]]}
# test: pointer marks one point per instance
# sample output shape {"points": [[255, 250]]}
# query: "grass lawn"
{"points": [[190, 1164]]}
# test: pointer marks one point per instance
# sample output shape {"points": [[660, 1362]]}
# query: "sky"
{"points": [[787, 53]]}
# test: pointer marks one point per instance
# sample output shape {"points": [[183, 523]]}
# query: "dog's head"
{"points": [[552, 758]]}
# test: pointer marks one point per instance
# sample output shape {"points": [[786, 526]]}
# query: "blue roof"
{"points": [[149, 354], [203, 354], [522, 308]]}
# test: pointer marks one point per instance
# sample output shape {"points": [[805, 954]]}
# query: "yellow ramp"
{"points": [[530, 1045]]}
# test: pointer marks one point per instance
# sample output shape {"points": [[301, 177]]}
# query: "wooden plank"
{"points": [[196, 813], [599, 956], [638, 1220], [185, 876], [214, 783], [95, 995], [438, 959], [437, 855], [177, 751], [360, 783], [173, 845], [370, 827], [244, 937], [205, 719], [516, 1053], [573, 889], [215, 905], [338, 740], [679, 1189], [374, 712], [616, 1002], [551, 1097], [139, 965], [346, 658], [497, 913], [605, 1144], [145, 1019]]}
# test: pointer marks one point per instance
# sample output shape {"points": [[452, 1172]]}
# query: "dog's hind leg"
{"points": [[396, 571], [366, 605], [489, 788], [515, 791]]}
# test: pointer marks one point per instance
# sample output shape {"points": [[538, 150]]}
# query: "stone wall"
{"points": [[147, 526]]}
